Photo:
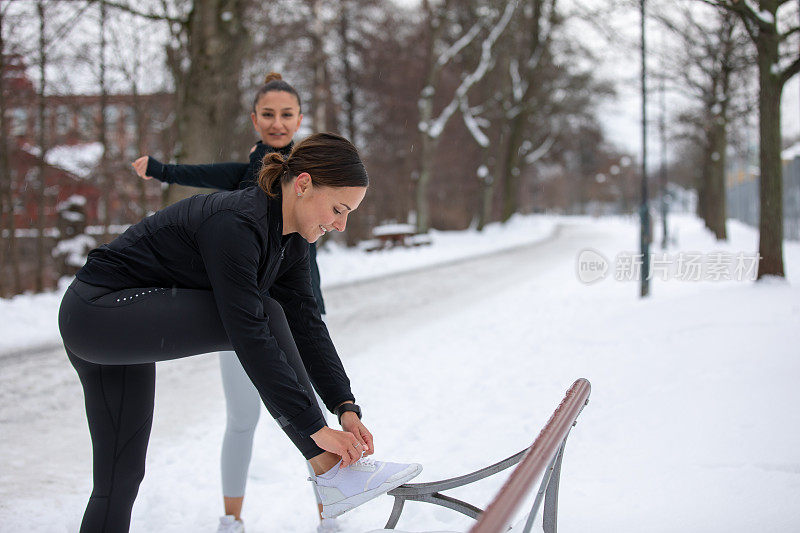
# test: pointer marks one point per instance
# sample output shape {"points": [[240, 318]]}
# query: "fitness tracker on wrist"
{"points": [[347, 407]]}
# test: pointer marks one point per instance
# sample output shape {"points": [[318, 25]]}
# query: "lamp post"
{"points": [[644, 215], [663, 174]]}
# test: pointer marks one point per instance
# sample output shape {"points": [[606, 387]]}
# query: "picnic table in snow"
{"points": [[392, 235]]}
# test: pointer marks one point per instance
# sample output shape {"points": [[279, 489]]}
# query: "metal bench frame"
{"points": [[547, 449]]}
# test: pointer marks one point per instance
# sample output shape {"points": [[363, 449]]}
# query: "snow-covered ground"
{"points": [[32, 326], [691, 425]]}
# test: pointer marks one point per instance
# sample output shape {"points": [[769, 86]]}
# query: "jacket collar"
{"points": [[274, 216], [262, 149]]}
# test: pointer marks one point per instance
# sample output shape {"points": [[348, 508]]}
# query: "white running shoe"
{"points": [[229, 524], [328, 525], [341, 489]]}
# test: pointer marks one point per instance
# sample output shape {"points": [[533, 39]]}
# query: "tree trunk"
{"points": [[141, 148], [770, 246], [39, 283], [427, 142], [324, 117], [209, 96], [538, 15], [511, 163], [350, 98], [511, 166], [715, 186], [5, 168], [428, 150], [8, 245], [767, 38], [718, 110], [104, 176], [701, 186], [486, 196]]}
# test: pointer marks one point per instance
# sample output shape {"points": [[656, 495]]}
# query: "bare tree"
{"points": [[711, 60], [103, 172], [431, 125], [537, 23], [8, 244], [42, 142], [345, 13], [205, 55], [5, 167], [322, 103], [770, 25], [385, 82], [215, 42], [528, 106], [130, 66]]}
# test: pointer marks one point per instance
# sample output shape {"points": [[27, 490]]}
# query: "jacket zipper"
{"points": [[277, 265]]}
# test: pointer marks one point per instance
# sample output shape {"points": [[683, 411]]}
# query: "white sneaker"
{"points": [[341, 489], [229, 524], [328, 525]]}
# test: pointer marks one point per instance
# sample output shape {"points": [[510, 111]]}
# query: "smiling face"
{"points": [[319, 209], [277, 118]]}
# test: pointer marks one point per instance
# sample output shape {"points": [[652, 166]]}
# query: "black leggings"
{"points": [[113, 339]]}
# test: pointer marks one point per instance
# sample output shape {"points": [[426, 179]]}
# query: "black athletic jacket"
{"points": [[232, 244], [229, 177]]}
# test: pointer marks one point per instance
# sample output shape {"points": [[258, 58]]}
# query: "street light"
{"points": [[663, 176], [644, 215]]}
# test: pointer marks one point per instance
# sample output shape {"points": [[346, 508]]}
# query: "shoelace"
{"points": [[366, 461]]}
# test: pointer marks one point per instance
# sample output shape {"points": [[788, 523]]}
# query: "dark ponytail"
{"points": [[330, 160]]}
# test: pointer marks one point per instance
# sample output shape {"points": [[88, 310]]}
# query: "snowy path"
{"points": [[690, 426]]}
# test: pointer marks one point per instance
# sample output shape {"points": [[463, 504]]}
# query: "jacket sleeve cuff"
{"points": [[155, 169], [308, 422], [341, 399], [258, 153]]}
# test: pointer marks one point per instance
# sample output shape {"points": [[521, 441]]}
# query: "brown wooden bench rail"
{"points": [[544, 456]]}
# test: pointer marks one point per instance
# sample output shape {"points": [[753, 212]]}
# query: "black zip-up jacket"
{"points": [[232, 243], [230, 177]]}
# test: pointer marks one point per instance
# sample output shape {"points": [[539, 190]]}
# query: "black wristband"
{"points": [[345, 407]]}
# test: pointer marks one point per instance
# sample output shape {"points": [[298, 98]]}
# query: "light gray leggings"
{"points": [[243, 405]]}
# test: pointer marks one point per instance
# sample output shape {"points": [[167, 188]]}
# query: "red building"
{"points": [[60, 184], [75, 161]]}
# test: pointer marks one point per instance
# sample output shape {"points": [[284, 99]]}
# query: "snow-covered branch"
{"points": [[517, 85], [541, 151], [545, 31], [790, 71], [460, 44], [764, 18], [472, 125], [434, 129]]}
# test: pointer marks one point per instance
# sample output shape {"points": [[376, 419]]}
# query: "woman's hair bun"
{"points": [[272, 76], [274, 158]]}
